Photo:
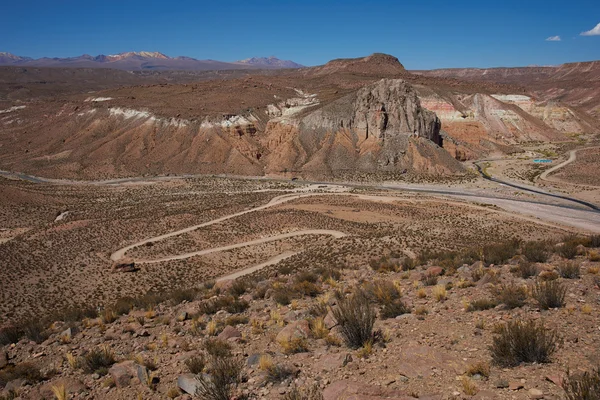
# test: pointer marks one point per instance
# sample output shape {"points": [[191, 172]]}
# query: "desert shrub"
{"points": [[568, 248], [98, 359], [382, 292], [237, 306], [356, 318], [383, 264], [526, 269], [511, 295], [393, 309], [123, 305], [482, 304], [238, 287], [236, 320], [584, 386], [306, 276], [594, 241], [279, 372], [27, 371], [307, 393], [217, 348], [536, 251], [499, 254], [224, 375], [294, 345], [329, 273], [318, 309], [10, 334], [282, 296], [178, 296], [306, 288], [569, 270], [408, 264], [195, 364], [35, 330], [550, 294], [150, 300], [523, 342], [429, 279], [228, 303], [75, 313], [480, 368]]}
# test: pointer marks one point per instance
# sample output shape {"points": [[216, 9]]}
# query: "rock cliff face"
{"points": [[380, 127]]}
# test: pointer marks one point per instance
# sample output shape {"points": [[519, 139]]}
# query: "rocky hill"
{"points": [[573, 84], [334, 120]]}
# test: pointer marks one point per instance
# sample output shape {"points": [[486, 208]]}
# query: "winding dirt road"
{"points": [[335, 234], [572, 158]]}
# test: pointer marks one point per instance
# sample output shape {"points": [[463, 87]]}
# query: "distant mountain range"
{"points": [[145, 60]]}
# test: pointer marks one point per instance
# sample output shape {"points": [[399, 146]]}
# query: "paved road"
{"points": [[488, 177]]}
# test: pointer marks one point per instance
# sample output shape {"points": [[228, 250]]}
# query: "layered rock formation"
{"points": [[379, 128]]}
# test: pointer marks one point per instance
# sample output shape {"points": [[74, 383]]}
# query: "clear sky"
{"points": [[423, 34]]}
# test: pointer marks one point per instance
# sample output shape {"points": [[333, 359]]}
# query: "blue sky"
{"points": [[422, 34]]}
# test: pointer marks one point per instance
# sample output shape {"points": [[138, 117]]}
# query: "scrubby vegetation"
{"points": [[356, 317], [523, 342]]}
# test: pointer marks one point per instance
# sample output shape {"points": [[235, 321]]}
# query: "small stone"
{"points": [[229, 333], [182, 316], [515, 386], [536, 394]]}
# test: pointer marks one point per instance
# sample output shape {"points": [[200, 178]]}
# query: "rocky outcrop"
{"points": [[385, 109]]}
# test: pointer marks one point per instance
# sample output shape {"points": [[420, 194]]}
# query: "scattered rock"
{"points": [[434, 271], [515, 386], [122, 373], [229, 333], [536, 394], [299, 329], [187, 383]]}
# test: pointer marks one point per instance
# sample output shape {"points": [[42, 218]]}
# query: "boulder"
{"points": [[229, 333], [434, 271], [332, 362], [124, 265], [187, 383], [347, 390], [329, 320], [295, 330], [122, 373]]}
